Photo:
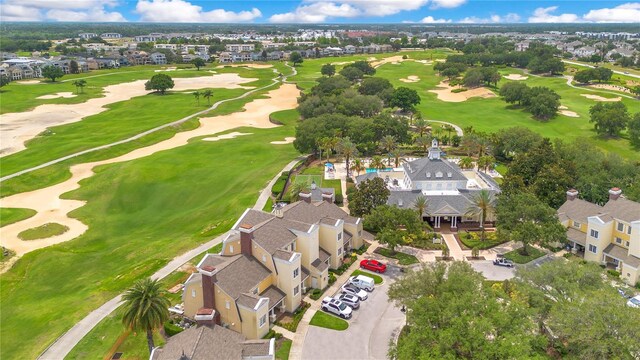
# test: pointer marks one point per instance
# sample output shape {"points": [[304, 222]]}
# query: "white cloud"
{"points": [[493, 19], [543, 15], [10, 12], [97, 15], [431, 20], [315, 13], [75, 10], [447, 3], [629, 12], [71, 4], [184, 11]]}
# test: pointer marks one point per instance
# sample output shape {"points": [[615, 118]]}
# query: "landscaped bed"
{"points": [[403, 259], [292, 325], [322, 319], [471, 239], [518, 258], [376, 279]]}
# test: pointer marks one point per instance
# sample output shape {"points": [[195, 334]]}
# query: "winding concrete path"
{"points": [[591, 66], [65, 343], [459, 131]]}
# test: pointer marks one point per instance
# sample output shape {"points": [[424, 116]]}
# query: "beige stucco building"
{"points": [[608, 234], [268, 260]]}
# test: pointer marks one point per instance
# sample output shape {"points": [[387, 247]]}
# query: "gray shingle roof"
{"points": [[241, 276], [417, 170], [577, 236], [437, 204], [621, 253], [273, 235], [623, 209], [274, 294], [255, 348], [579, 210], [282, 254], [248, 300], [316, 194], [312, 213]]}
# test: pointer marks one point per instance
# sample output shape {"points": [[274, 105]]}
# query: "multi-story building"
{"points": [[111, 36], [609, 234], [239, 47], [158, 58], [268, 261], [149, 38], [87, 35]]}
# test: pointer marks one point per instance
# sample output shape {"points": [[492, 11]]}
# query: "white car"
{"points": [[351, 300], [336, 307], [363, 282], [634, 302], [353, 290]]}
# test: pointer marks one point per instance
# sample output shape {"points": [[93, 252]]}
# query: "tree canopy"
{"points": [[368, 195], [52, 72], [160, 83], [328, 70], [404, 98], [609, 118]]}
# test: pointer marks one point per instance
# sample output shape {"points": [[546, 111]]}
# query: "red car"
{"points": [[373, 265]]}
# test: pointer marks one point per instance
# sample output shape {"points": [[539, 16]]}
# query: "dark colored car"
{"points": [[373, 265]]}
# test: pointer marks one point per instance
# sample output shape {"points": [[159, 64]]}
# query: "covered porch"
{"points": [[276, 302], [577, 240]]}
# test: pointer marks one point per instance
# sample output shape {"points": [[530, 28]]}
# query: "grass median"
{"points": [[324, 320]]}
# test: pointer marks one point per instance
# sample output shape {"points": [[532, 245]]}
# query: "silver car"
{"points": [[351, 300], [352, 290]]}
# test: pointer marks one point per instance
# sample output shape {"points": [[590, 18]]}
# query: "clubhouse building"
{"points": [[448, 189]]}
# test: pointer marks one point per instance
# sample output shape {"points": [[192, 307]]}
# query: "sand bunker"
{"points": [[342, 63], [172, 68], [254, 66], [51, 208], [28, 82], [516, 77], [611, 87], [446, 94], [441, 60], [225, 136], [393, 59], [426, 62], [411, 79], [562, 107], [65, 94], [569, 113], [16, 128], [287, 140], [600, 98]]}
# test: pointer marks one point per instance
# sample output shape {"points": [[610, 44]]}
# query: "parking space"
{"points": [[493, 272], [372, 326]]}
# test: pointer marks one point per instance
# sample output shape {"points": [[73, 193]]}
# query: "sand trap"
{"points": [[51, 208], [610, 87], [426, 62], [562, 107], [516, 77], [446, 94], [173, 68], [441, 60], [411, 79], [287, 140], [371, 58], [28, 82], [342, 63], [226, 136], [393, 60], [16, 128], [600, 98], [569, 113], [65, 94], [254, 66]]}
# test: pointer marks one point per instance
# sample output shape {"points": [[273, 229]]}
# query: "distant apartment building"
{"points": [[111, 36], [158, 58], [149, 38], [239, 47], [609, 234], [87, 35]]}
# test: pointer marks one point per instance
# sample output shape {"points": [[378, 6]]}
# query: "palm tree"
{"points": [[448, 128], [398, 156], [323, 144], [357, 166], [485, 162], [421, 126], [333, 145], [347, 149], [197, 94], [482, 205], [424, 142], [145, 308], [207, 94], [377, 163], [79, 84], [466, 163], [421, 204], [388, 143]]}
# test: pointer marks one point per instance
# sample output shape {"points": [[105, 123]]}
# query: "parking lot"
{"points": [[370, 329], [493, 272]]}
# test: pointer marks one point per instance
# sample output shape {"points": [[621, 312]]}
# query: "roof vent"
{"points": [[449, 174], [400, 203]]}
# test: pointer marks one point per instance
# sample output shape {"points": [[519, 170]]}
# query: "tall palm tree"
{"points": [[358, 166], [448, 128], [145, 308], [332, 144], [197, 94], [388, 143], [421, 204], [466, 163], [424, 142], [421, 126], [207, 94], [377, 163], [398, 156], [347, 149], [323, 144], [79, 84], [485, 162], [482, 205]]}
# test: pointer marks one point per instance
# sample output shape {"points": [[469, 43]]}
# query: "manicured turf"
{"points": [[376, 278], [324, 320], [490, 241], [11, 215], [518, 258], [42, 232], [140, 215], [282, 352], [403, 259]]}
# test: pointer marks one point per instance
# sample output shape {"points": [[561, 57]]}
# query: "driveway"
{"points": [[370, 329], [493, 272]]}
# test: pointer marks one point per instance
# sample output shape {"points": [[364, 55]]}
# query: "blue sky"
{"points": [[320, 11]]}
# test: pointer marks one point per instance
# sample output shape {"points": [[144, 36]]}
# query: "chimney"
{"points": [[328, 197], [305, 195], [246, 234], [572, 194], [614, 193], [207, 315]]}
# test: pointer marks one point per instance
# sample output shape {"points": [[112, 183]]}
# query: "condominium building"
{"points": [[609, 234]]}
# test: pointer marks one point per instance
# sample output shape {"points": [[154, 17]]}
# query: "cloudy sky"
{"points": [[319, 11]]}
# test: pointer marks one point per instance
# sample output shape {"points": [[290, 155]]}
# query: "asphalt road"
{"points": [[370, 329]]}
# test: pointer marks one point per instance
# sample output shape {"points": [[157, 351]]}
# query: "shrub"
{"points": [[339, 199], [404, 57], [638, 285], [362, 249], [567, 255], [315, 294], [272, 334], [171, 329], [455, 91], [332, 278], [613, 273], [475, 252]]}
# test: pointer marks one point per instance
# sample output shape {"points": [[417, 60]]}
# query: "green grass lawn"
{"points": [[42, 232], [403, 259], [490, 240], [376, 278], [12, 215], [282, 351], [517, 257], [324, 320], [140, 215]]}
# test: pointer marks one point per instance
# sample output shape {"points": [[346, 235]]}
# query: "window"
{"points": [[263, 320], [295, 273], [264, 258], [339, 251], [618, 240], [255, 291], [576, 224], [593, 248], [231, 248], [296, 290], [293, 246], [629, 230], [627, 244], [193, 293], [359, 232], [227, 304], [339, 236], [620, 227], [594, 234]]}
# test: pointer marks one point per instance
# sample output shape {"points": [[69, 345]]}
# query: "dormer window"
{"points": [[428, 174], [449, 174], [438, 174], [400, 202]]}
